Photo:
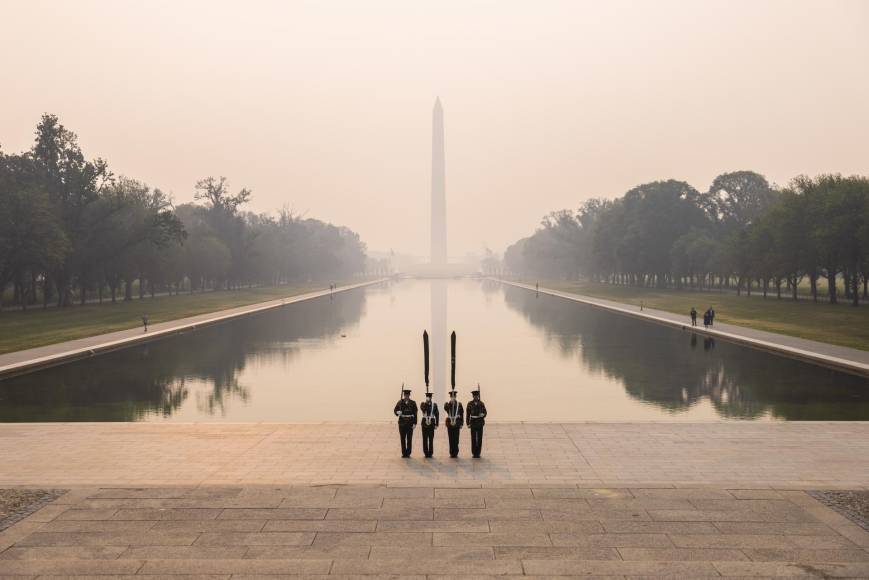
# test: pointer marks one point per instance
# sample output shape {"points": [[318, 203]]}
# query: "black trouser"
{"points": [[453, 433], [406, 434], [476, 440], [428, 440]]}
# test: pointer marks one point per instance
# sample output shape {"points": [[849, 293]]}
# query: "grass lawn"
{"points": [[840, 324], [37, 327]]}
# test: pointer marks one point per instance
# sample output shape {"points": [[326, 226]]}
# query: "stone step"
{"points": [[415, 566]]}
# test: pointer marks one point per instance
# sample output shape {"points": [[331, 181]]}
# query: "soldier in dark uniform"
{"points": [[405, 410], [476, 420], [430, 420], [455, 417]]}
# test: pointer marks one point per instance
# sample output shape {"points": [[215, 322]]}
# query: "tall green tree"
{"points": [[32, 240], [737, 199], [73, 184]]}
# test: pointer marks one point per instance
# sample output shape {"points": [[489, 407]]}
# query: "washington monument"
{"points": [[438, 193]]}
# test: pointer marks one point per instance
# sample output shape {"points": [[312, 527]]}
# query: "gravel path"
{"points": [[854, 505], [16, 504]]}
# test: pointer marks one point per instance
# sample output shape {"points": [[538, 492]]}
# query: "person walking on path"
{"points": [[711, 316], [406, 411], [455, 417], [430, 420], [693, 316], [145, 322], [476, 421], [706, 319]]}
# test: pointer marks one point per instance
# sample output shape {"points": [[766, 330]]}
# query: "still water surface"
{"points": [[537, 358]]}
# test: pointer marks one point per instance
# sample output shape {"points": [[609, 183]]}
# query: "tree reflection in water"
{"points": [[154, 379], [675, 369]]}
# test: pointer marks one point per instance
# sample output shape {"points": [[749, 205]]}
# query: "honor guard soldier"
{"points": [[455, 417], [405, 410], [430, 421], [476, 420]]}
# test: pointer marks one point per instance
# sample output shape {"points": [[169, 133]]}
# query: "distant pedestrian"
{"points": [[706, 319], [711, 316], [693, 316], [641, 305], [145, 322]]}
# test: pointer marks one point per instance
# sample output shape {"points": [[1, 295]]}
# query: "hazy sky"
{"points": [[326, 106]]}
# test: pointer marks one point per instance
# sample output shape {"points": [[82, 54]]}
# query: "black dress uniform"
{"points": [[455, 417], [405, 410], [476, 421], [430, 421]]}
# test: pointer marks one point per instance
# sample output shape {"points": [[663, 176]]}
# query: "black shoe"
{"points": [[405, 455], [453, 456], [476, 456], [428, 456]]}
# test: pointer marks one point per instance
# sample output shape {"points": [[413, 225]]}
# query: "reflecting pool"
{"points": [[537, 358]]}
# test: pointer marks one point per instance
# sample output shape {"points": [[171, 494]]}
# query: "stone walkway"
{"points": [[373, 532], [16, 362], [844, 358], [799, 455]]}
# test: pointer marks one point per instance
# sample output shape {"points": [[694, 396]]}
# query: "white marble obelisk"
{"points": [[438, 189]]}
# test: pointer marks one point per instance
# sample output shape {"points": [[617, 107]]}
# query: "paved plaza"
{"points": [[358, 531], [593, 500], [794, 454]]}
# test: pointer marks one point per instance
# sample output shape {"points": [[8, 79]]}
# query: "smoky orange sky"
{"points": [[326, 106]]}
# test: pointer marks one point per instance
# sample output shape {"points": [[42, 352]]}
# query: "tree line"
{"points": [[741, 234], [72, 230]]}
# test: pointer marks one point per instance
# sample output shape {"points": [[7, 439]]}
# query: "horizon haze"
{"points": [[326, 107]]}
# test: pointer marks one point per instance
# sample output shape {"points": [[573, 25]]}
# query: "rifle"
{"points": [[425, 356], [451, 418], [453, 360]]}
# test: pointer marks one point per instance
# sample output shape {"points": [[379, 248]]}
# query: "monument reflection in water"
{"points": [[538, 358]]}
